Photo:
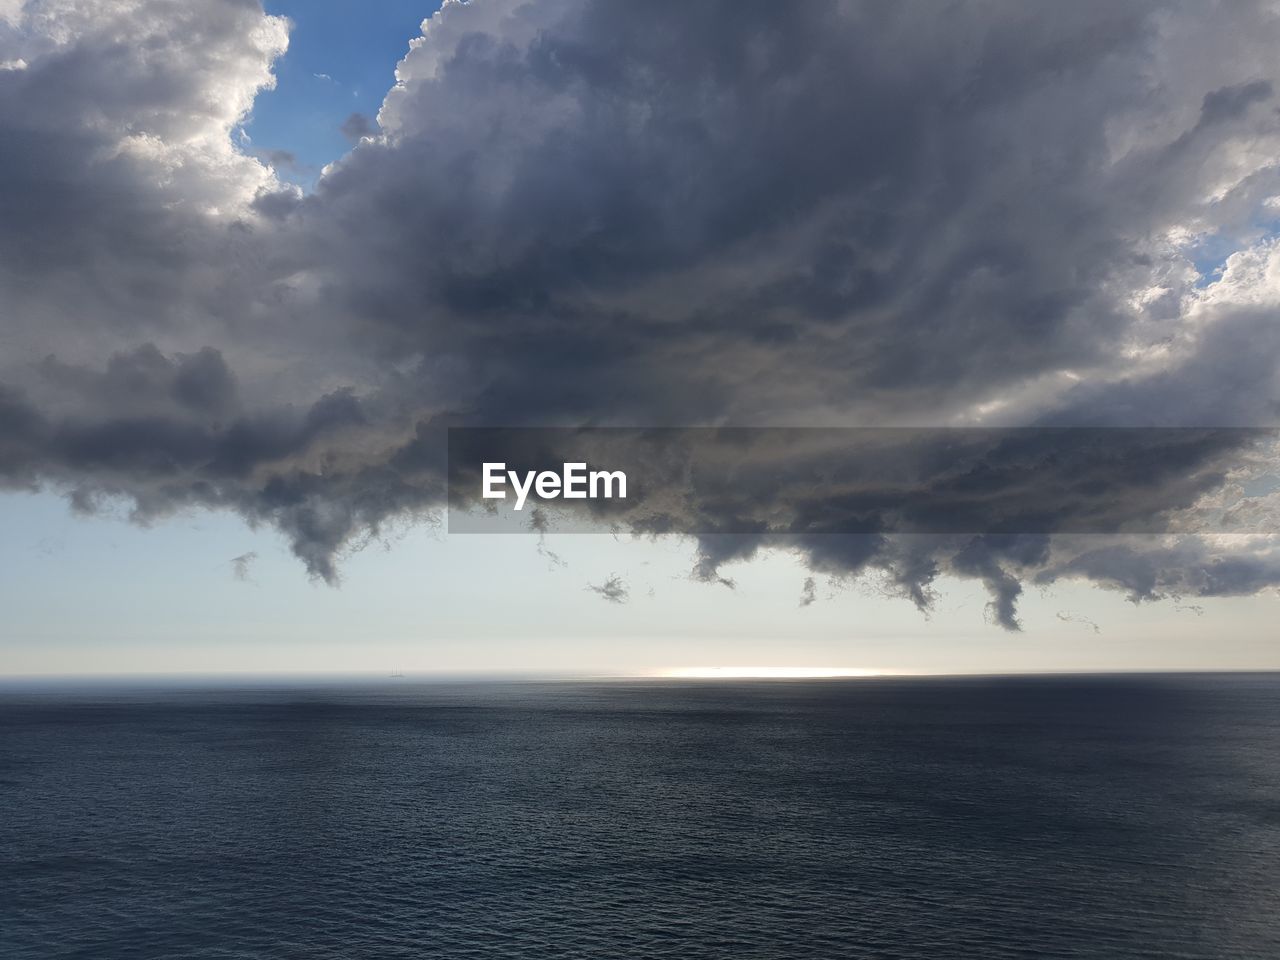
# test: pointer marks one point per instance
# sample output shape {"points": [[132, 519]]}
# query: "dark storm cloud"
{"points": [[830, 205], [146, 381], [1188, 567], [598, 212], [322, 474]]}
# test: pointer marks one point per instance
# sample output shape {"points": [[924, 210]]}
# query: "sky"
{"points": [[253, 262], [340, 63]]}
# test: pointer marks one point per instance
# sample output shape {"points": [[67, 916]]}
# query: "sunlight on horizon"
{"points": [[779, 673]]}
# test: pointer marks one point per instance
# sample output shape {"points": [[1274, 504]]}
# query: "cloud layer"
{"points": [[591, 212]]}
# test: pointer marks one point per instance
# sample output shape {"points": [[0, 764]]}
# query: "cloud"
{"points": [[357, 126], [539, 523], [240, 566], [584, 212], [808, 592], [625, 231], [281, 159], [613, 589], [1077, 618], [1172, 568]]}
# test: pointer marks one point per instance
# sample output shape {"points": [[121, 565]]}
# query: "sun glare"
{"points": [[775, 673]]}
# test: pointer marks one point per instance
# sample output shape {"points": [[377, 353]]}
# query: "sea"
{"points": [[978, 818]]}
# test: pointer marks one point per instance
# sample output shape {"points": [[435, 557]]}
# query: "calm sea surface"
{"points": [[977, 819]]}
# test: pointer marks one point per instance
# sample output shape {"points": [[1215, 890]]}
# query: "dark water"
{"points": [[1107, 818]]}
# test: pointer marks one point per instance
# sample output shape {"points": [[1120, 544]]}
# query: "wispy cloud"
{"points": [[613, 589], [1078, 618], [241, 566]]}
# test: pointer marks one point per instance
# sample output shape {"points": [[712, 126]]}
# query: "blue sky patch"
{"points": [[341, 60]]}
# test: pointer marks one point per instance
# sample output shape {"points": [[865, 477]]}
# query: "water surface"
{"points": [[993, 818]]}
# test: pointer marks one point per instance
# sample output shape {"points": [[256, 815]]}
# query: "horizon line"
{"points": [[670, 675]]}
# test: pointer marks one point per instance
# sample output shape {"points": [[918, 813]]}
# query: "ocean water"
{"points": [[1067, 817]]}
